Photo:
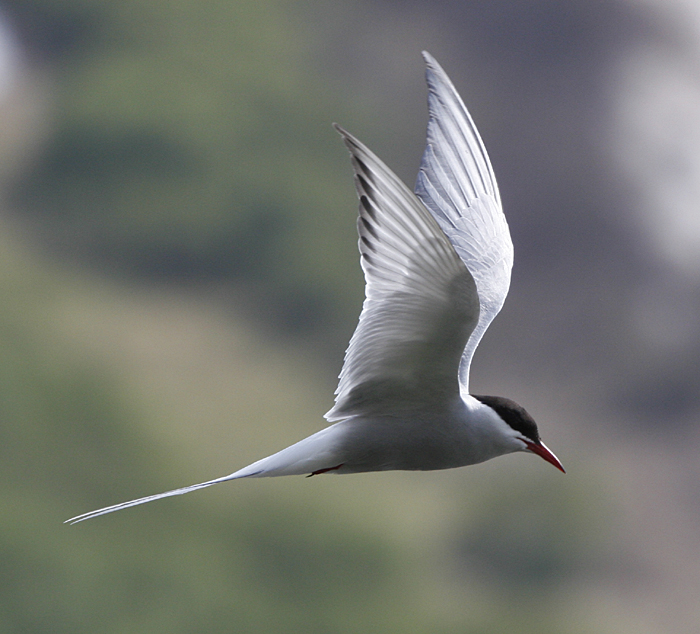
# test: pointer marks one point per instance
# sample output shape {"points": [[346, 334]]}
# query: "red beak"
{"points": [[543, 452]]}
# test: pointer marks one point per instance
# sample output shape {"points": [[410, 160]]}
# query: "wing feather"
{"points": [[421, 302], [457, 184]]}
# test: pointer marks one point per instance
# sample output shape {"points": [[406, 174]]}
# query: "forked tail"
{"points": [[158, 496], [315, 454]]}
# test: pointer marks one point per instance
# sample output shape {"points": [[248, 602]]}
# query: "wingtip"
{"points": [[434, 73], [343, 132], [432, 65], [353, 144]]}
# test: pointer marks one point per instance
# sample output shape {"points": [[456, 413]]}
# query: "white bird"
{"points": [[437, 269]]}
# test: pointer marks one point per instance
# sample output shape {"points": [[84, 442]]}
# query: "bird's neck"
{"points": [[487, 432]]}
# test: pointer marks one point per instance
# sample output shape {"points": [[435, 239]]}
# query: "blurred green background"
{"points": [[179, 278]]}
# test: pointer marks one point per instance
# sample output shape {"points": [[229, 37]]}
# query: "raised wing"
{"points": [[421, 302], [456, 183]]}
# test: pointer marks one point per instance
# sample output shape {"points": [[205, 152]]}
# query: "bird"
{"points": [[437, 265]]}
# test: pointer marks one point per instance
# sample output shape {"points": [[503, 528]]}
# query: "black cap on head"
{"points": [[513, 414]]}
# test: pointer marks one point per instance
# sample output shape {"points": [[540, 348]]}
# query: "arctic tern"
{"points": [[437, 266]]}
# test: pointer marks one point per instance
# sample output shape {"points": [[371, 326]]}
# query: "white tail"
{"points": [[315, 454], [158, 496]]}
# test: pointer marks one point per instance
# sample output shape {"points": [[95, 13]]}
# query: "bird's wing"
{"points": [[456, 183], [421, 302]]}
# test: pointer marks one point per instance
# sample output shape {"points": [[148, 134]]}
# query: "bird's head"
{"points": [[523, 425]]}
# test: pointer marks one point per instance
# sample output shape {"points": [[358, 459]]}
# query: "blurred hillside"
{"points": [[179, 277]]}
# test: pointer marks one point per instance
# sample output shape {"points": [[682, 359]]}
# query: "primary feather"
{"points": [[421, 302], [457, 184]]}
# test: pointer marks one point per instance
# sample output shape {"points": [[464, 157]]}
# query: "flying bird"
{"points": [[437, 266]]}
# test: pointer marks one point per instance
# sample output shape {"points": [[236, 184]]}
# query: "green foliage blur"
{"points": [[192, 147]]}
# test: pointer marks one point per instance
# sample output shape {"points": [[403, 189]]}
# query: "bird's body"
{"points": [[466, 433], [437, 267]]}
